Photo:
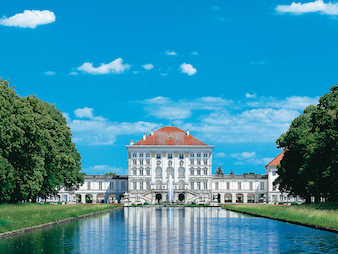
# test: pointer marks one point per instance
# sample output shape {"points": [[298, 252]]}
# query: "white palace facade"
{"points": [[173, 152]]}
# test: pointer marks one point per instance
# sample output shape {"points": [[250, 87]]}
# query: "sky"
{"points": [[236, 73]]}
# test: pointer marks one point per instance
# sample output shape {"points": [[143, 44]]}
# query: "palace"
{"points": [[173, 152]]}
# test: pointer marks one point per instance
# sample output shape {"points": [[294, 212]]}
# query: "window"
{"points": [[123, 185], [141, 154], [111, 185], [134, 172], [198, 172], [274, 187], [88, 185], [216, 185], [134, 154], [141, 161], [262, 185], [170, 163], [158, 185], [205, 162], [141, 185], [158, 163], [181, 172], [191, 155], [198, 162], [239, 185], [198, 185], [181, 185], [147, 154], [192, 172], [158, 172], [158, 156], [251, 186], [198, 155], [192, 185], [148, 171], [100, 185], [170, 172], [148, 162], [134, 185], [134, 162], [192, 161], [141, 171], [170, 155], [228, 185], [205, 155], [205, 185], [273, 172], [148, 185], [181, 156], [205, 171]]}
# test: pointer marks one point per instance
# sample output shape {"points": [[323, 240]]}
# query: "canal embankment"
{"points": [[319, 216], [20, 218]]}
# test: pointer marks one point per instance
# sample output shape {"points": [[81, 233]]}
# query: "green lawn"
{"points": [[20, 216], [322, 215]]}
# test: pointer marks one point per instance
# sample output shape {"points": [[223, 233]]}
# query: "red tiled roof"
{"points": [[276, 160], [170, 136]]}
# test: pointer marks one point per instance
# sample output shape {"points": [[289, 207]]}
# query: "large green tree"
{"points": [[36, 152], [310, 163]]}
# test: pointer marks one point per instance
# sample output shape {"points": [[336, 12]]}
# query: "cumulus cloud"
{"points": [[84, 112], [114, 67], [74, 73], [170, 53], [316, 6], [148, 66], [194, 53], [188, 68], [247, 95], [220, 155], [157, 100], [50, 73], [243, 155], [102, 169], [29, 19]]}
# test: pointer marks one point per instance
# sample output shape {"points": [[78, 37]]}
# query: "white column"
{"points": [[222, 198], [83, 198], [245, 198], [94, 198], [233, 197]]}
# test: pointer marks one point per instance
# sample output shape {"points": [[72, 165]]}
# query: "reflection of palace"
{"points": [[172, 151]]}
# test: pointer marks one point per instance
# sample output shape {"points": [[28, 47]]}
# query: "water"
{"points": [[173, 230], [170, 189]]}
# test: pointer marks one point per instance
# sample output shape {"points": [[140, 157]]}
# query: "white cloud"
{"points": [[243, 155], [114, 67], [50, 73], [102, 169], [84, 112], [148, 66], [163, 74], [29, 19], [247, 95], [74, 73], [194, 53], [258, 63], [188, 68], [220, 155], [136, 72], [316, 6], [157, 100], [170, 53]]}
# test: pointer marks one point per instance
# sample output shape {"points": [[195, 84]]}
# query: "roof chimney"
{"points": [[144, 136], [131, 142], [152, 132], [188, 133]]}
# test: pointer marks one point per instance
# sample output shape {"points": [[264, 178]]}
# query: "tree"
{"points": [[36, 152], [310, 163]]}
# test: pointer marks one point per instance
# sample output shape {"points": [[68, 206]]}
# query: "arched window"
{"points": [[191, 171], [181, 172], [134, 171], [170, 171], [158, 172], [158, 185], [181, 185]]}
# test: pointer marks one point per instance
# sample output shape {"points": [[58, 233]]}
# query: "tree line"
{"points": [[309, 167], [36, 151]]}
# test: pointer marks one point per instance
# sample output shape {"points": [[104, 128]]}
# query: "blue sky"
{"points": [[234, 72]]}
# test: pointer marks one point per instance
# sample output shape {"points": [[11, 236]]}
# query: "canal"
{"points": [[173, 230]]}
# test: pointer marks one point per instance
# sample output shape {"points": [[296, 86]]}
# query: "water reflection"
{"points": [[171, 230]]}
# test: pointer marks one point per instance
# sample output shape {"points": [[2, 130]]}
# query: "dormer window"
{"points": [[141, 154], [198, 155], [205, 155], [158, 156], [181, 156], [170, 155], [134, 154], [192, 155]]}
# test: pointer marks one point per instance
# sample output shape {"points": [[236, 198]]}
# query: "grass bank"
{"points": [[316, 215], [13, 217]]}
